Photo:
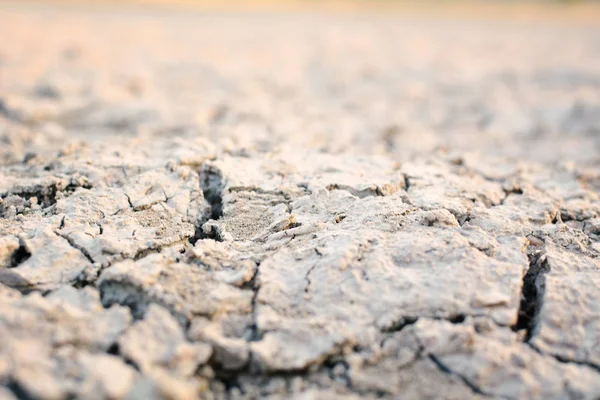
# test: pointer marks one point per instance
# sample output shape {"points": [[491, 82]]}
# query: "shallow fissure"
{"points": [[77, 247], [47, 196], [447, 370]]}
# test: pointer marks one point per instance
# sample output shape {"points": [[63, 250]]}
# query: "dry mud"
{"points": [[309, 207]]}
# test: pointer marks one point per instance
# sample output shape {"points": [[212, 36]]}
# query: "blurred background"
{"points": [[511, 79]]}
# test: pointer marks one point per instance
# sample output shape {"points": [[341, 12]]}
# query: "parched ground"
{"points": [[228, 205]]}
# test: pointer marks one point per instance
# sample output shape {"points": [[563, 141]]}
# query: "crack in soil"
{"points": [[212, 184], [532, 292], [254, 333], [74, 245], [20, 255], [447, 370], [564, 360]]}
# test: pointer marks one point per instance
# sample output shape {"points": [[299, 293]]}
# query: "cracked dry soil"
{"points": [[308, 207]]}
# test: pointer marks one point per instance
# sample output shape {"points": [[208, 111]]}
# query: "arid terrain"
{"points": [[223, 204]]}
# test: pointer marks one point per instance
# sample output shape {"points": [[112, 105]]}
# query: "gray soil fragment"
{"points": [[184, 289], [332, 208], [157, 342], [38, 272], [56, 346]]}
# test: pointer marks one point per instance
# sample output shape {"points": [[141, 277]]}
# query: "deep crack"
{"points": [[20, 255], [18, 390], [212, 185], [406, 182], [254, 333], [532, 292], [404, 321]]}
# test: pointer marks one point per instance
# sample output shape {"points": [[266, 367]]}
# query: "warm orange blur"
{"points": [[581, 11]]}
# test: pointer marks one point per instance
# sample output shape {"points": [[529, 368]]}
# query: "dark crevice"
{"points": [[360, 193], [406, 182], [556, 219], [253, 334], [20, 255], [462, 219], [115, 350], [564, 360], [445, 369], [128, 200], [291, 225], [344, 377], [207, 231], [47, 196], [142, 253], [457, 319], [405, 321], [304, 187], [339, 218], [229, 379], [508, 192], [212, 185], [18, 391], [516, 190], [532, 292], [83, 283], [400, 324]]}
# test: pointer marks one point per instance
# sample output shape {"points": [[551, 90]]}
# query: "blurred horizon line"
{"points": [[582, 11]]}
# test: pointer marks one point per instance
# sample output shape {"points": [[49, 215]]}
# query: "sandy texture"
{"points": [[309, 207]]}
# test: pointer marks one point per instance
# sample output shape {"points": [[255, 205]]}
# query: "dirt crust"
{"points": [[312, 207]]}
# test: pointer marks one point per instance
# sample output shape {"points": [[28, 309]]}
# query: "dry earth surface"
{"points": [[225, 205]]}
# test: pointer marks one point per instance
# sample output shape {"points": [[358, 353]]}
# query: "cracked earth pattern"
{"points": [[231, 207]]}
